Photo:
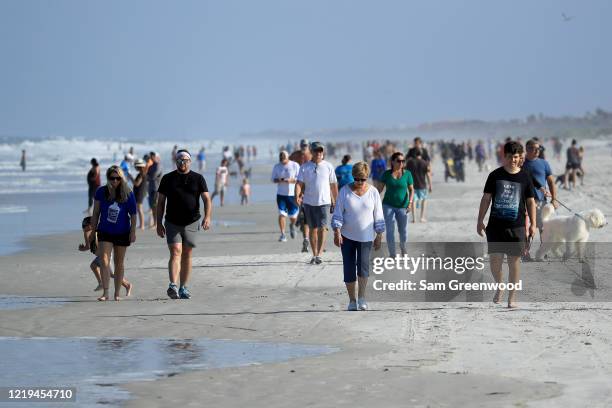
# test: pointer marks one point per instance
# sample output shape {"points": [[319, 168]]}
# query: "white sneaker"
{"points": [[352, 306], [283, 238], [362, 304]]}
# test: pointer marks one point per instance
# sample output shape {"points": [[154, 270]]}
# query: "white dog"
{"points": [[567, 230]]}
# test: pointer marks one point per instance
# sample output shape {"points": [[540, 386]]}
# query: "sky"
{"points": [[217, 69]]}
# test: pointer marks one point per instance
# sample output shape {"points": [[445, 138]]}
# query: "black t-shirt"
{"points": [[182, 193], [418, 168], [509, 195], [412, 153]]}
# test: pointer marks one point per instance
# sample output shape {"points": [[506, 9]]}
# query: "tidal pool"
{"points": [[98, 366]]}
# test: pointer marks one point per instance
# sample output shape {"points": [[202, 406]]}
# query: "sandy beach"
{"points": [[249, 287]]}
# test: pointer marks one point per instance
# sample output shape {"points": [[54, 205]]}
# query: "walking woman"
{"points": [[358, 225], [396, 204], [93, 182], [114, 219]]}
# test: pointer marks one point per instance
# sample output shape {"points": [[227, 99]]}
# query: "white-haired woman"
{"points": [[358, 224], [114, 219]]}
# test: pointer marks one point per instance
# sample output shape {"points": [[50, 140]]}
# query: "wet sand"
{"points": [[247, 286]]}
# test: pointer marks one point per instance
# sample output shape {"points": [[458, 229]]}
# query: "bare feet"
{"points": [[423, 220], [103, 298], [512, 302], [497, 296], [117, 298], [99, 287], [128, 289]]}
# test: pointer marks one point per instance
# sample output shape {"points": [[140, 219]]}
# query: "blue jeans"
{"points": [[355, 259], [391, 214]]}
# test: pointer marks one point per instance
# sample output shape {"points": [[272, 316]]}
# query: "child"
{"points": [[91, 243], [245, 192]]}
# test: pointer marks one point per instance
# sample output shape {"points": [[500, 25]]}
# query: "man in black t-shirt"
{"points": [[421, 174], [418, 146], [182, 188], [510, 192]]}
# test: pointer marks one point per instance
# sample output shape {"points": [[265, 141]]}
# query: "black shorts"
{"points": [[115, 239], [572, 166], [509, 241]]}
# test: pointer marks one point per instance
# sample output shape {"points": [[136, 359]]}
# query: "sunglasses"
{"points": [[182, 161], [361, 180], [400, 160], [114, 178]]}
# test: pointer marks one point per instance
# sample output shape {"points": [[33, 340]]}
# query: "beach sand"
{"points": [[247, 286]]}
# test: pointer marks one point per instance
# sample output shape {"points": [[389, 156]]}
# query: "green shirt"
{"points": [[396, 194]]}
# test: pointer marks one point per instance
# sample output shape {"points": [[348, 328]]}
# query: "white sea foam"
{"points": [[61, 164], [13, 209]]}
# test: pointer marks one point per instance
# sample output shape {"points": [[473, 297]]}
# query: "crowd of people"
{"points": [[312, 194]]}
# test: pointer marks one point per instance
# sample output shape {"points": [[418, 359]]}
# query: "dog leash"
{"points": [[570, 210]]}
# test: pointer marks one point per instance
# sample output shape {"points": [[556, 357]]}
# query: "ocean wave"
{"points": [[13, 209]]}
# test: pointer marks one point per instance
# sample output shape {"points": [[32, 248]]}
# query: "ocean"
{"points": [[51, 195]]}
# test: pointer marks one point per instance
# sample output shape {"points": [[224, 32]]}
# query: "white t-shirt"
{"points": [[316, 179], [285, 171], [358, 217], [221, 174]]}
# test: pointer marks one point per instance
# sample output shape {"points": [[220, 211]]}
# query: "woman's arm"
{"points": [[379, 221], [95, 216], [410, 194], [338, 220], [133, 220]]}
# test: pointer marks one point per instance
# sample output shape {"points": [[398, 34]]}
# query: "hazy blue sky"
{"points": [[159, 69]]}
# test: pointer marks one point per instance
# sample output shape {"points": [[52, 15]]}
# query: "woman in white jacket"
{"points": [[358, 224]]}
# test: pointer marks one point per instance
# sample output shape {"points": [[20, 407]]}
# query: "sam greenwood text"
{"points": [[408, 285]]}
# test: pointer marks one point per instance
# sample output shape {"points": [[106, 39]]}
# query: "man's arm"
{"points": [[207, 210], [160, 208], [334, 192], [429, 184], [531, 211], [299, 192], [485, 201], [552, 186]]}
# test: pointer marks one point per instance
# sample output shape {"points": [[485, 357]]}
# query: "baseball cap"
{"points": [[317, 146], [139, 163], [304, 142]]}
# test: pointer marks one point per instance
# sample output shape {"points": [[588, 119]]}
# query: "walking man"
{"points": [[421, 174], [284, 174], [301, 156], [509, 191], [154, 175], [182, 188], [317, 189], [541, 172]]}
